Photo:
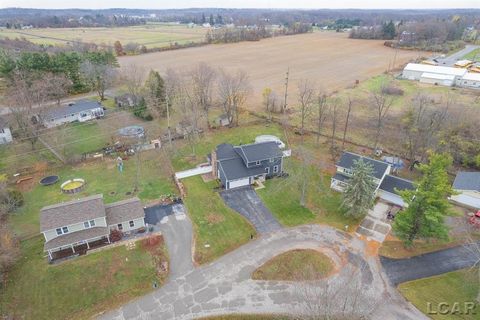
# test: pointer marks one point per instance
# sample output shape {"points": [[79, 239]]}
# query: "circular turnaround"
{"points": [[73, 186], [47, 181]]}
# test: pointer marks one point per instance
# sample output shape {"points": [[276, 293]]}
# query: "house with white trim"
{"points": [[467, 187], [238, 166], [387, 185], [80, 224], [78, 111], [5, 133]]}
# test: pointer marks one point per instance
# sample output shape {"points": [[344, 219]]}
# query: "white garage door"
{"points": [[391, 198], [238, 183]]}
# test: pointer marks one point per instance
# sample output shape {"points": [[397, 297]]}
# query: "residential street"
{"points": [[427, 265], [451, 59], [224, 286]]}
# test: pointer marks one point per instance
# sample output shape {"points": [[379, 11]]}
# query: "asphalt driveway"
{"points": [[177, 231], [246, 202], [429, 264]]}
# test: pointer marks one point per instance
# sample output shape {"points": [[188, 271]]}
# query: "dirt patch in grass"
{"points": [[296, 265], [213, 218], [394, 248]]}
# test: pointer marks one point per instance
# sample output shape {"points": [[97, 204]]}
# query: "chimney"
{"points": [[214, 163]]}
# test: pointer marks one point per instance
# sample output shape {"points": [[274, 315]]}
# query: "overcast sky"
{"points": [[169, 4]]}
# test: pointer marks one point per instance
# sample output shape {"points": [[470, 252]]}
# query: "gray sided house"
{"points": [[5, 133], [81, 111], [238, 166], [85, 222], [467, 185], [387, 185]]}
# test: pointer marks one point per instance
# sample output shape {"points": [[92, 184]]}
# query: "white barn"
{"points": [[471, 80], [433, 74]]}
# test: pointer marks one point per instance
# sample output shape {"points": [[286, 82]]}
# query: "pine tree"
{"points": [[359, 195], [427, 205], [156, 94]]}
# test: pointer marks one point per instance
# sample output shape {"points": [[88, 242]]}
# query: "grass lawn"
{"points": [[295, 265], [396, 250], [184, 159], [79, 288], [458, 286], [323, 205], [101, 177], [215, 224], [473, 55]]}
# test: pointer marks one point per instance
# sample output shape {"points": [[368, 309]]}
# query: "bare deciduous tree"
{"points": [[203, 78], [334, 116], [27, 98], [322, 113], [133, 77], [100, 77], [233, 90], [306, 97], [347, 119], [57, 86], [381, 102]]}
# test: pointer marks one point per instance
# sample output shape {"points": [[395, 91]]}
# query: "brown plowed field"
{"points": [[331, 59]]}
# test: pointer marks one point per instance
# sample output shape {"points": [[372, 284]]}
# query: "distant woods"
{"points": [[255, 33]]}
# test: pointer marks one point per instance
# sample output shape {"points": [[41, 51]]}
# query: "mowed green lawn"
{"points": [[458, 286], [101, 177], [323, 205], [473, 55], [150, 35], [218, 229], [79, 288]]}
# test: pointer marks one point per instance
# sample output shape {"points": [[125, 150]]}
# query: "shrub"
{"points": [[392, 90], [116, 235]]}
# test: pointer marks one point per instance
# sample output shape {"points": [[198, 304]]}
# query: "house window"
{"points": [[89, 224], [62, 230], [2, 130], [258, 162], [131, 223], [267, 170], [120, 226], [348, 171], [275, 169]]}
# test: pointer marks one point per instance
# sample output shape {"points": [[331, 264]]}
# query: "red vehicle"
{"points": [[474, 219]]}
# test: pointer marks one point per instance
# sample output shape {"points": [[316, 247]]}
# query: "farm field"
{"points": [[150, 35], [332, 60]]}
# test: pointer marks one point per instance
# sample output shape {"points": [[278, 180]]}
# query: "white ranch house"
{"points": [[5, 132], [81, 111], [467, 185]]}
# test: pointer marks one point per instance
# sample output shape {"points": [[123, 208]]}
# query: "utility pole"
{"points": [[286, 90], [167, 100]]}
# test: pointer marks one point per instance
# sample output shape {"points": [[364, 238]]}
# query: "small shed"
{"points": [[125, 101], [223, 120]]}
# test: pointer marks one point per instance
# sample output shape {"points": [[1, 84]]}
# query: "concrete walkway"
{"points": [[375, 225], [429, 264], [225, 286]]}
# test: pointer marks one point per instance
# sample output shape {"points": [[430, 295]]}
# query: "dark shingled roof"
{"points": [[259, 151], [392, 183], [3, 123], [236, 169], [226, 151], [125, 210], [467, 181], [340, 177], [71, 212], [78, 106], [347, 159], [75, 237]]}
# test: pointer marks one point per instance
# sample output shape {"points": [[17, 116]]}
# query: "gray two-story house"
{"points": [[238, 166]]}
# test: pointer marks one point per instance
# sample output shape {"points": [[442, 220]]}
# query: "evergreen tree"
{"points": [[204, 20], [156, 94], [427, 205], [389, 30], [212, 20], [359, 195]]}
